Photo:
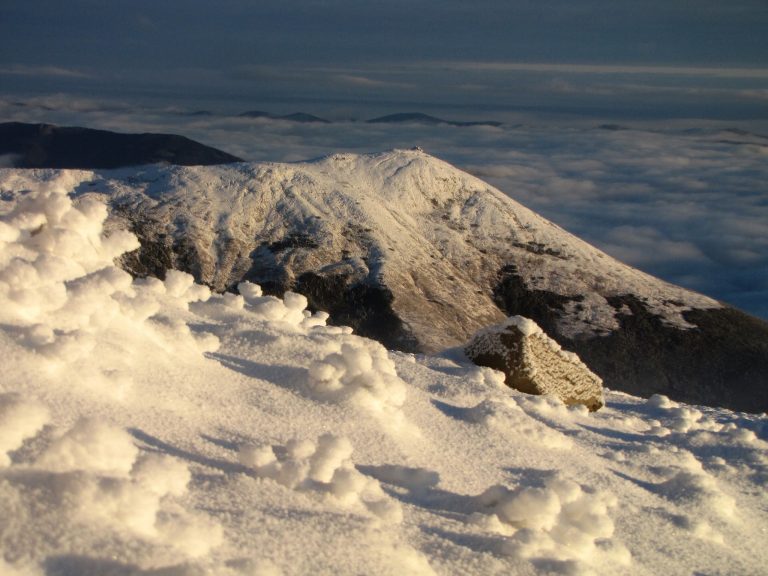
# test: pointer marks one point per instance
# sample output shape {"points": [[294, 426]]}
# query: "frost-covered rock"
{"points": [[534, 363]]}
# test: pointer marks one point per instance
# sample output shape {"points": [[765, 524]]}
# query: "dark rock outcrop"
{"points": [[366, 307], [48, 146], [722, 360]]}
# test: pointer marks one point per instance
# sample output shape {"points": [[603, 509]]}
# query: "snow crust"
{"points": [[150, 427]]}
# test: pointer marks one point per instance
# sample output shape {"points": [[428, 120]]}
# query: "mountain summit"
{"points": [[412, 251]]}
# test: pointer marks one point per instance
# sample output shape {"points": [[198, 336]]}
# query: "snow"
{"points": [[151, 427], [416, 220], [359, 371]]}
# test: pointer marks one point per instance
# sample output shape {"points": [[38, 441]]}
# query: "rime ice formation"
{"points": [[150, 427], [534, 363]]}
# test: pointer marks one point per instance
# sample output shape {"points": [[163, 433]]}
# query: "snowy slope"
{"points": [[150, 428], [419, 255], [420, 223]]}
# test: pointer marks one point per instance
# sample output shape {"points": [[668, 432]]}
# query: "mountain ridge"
{"points": [[397, 118], [411, 251], [421, 118], [301, 117], [51, 146]]}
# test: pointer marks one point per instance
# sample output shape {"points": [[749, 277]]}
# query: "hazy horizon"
{"points": [[651, 60]]}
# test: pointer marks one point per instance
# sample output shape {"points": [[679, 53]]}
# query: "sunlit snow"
{"points": [[150, 427]]}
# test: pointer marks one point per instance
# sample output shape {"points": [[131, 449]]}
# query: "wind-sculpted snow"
{"points": [[558, 521], [150, 427], [323, 466], [19, 420], [359, 371]]}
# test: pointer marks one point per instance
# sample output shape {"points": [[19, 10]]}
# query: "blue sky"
{"points": [[638, 57]]}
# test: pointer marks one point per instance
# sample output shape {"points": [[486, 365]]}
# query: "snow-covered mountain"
{"points": [[150, 428], [419, 255]]}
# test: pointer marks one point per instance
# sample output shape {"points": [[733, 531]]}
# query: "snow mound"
{"points": [[93, 478], [507, 417], [323, 466], [359, 371], [19, 419], [92, 446], [70, 304], [559, 521], [291, 309]]}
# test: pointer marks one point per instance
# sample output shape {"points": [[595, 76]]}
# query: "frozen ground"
{"points": [[150, 428]]}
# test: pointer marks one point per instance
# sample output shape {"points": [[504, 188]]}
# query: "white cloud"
{"points": [[54, 71], [701, 71], [644, 245]]}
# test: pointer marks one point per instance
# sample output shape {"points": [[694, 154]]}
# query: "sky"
{"points": [[639, 57], [677, 195]]}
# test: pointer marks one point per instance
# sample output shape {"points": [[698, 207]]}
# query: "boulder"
{"points": [[534, 363]]}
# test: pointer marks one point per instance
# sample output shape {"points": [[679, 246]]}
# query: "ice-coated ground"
{"points": [[150, 428]]}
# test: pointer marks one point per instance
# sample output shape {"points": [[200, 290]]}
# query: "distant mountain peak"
{"points": [[50, 146], [255, 114], [421, 118], [301, 117]]}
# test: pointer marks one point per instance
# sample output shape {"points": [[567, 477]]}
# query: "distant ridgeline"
{"points": [[48, 146], [399, 118], [415, 253]]}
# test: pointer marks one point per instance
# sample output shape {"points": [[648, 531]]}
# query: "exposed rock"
{"points": [[534, 363], [721, 362]]}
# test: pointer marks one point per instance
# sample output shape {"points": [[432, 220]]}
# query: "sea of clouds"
{"points": [[683, 200]]}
